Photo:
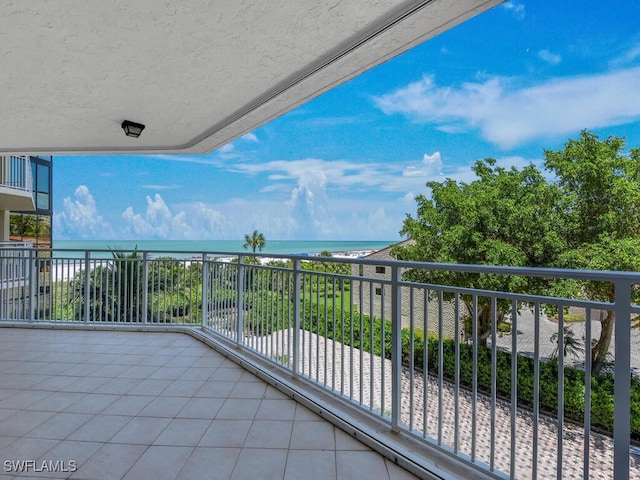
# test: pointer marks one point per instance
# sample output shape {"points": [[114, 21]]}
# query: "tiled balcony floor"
{"points": [[140, 405]]}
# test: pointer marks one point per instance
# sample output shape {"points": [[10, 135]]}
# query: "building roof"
{"points": [[386, 252], [196, 73]]}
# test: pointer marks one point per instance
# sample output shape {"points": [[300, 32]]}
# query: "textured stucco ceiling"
{"points": [[197, 73]]}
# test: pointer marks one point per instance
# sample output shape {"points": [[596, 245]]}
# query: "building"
{"points": [[34, 224], [26, 199], [16, 189], [418, 304], [26, 210]]}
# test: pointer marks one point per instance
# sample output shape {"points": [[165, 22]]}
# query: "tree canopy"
{"points": [[602, 186], [586, 216], [256, 241]]}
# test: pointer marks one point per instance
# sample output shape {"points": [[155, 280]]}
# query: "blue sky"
{"points": [[508, 84]]}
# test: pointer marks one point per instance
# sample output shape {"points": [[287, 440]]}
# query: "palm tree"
{"points": [[256, 240], [115, 290]]}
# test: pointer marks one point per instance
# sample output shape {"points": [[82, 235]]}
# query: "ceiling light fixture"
{"points": [[132, 129]]}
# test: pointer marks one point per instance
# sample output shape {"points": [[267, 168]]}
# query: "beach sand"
{"points": [[66, 269]]}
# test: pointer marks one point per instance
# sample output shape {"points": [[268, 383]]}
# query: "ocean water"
{"points": [[189, 248]]}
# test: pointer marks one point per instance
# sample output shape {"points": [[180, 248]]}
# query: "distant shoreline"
{"points": [[65, 268], [193, 248]]}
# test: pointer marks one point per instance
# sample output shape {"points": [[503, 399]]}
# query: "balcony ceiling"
{"points": [[197, 73]]}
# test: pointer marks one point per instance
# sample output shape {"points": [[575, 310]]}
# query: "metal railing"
{"points": [[16, 263], [15, 172], [437, 363]]}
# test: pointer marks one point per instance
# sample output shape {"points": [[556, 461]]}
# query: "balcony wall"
{"points": [[16, 189], [394, 364]]}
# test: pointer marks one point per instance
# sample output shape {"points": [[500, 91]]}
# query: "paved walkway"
{"points": [[548, 328], [355, 374]]}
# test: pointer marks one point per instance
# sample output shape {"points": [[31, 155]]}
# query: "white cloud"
{"points": [[228, 150], [396, 176], [551, 58], [310, 212], [628, 57], [199, 221], [322, 194], [508, 115], [433, 162], [516, 9], [319, 211], [161, 187], [378, 222], [277, 176], [159, 222], [80, 219], [308, 204], [431, 166]]}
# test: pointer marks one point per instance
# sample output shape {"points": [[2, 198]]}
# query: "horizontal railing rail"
{"points": [[499, 381], [16, 246]]}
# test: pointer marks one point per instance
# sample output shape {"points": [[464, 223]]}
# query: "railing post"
{"points": [[87, 285], [240, 300], [32, 278], [622, 380], [145, 286], [396, 347], [205, 290], [296, 315]]}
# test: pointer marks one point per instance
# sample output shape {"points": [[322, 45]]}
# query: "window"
{"points": [[42, 186], [35, 226], [378, 290], [380, 269], [27, 227]]}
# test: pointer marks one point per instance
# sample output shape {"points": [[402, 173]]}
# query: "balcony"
{"points": [[15, 265], [397, 365], [16, 189]]}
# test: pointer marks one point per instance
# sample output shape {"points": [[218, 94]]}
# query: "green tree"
{"points": [[587, 217], [255, 241], [115, 290], [505, 217], [325, 266], [602, 185], [15, 225]]}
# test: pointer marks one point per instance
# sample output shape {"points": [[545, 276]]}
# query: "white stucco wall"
{"points": [[4, 225]]}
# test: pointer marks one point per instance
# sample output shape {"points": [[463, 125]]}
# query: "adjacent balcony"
{"points": [[15, 264], [401, 366], [16, 189]]}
